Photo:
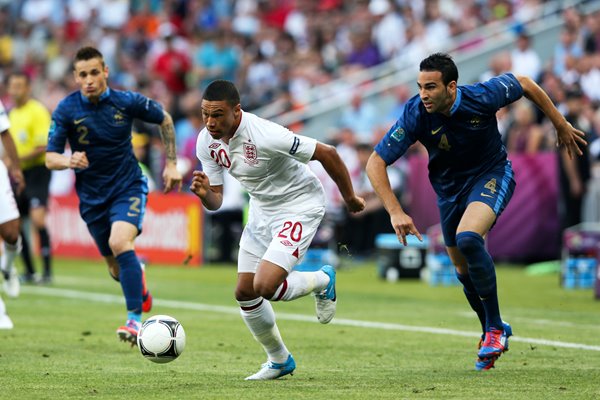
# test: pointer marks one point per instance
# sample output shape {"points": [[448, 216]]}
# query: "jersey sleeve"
{"points": [[145, 108], [399, 137], [59, 129], [282, 141], [500, 91], [210, 167]]}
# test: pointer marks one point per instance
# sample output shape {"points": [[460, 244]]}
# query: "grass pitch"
{"points": [[401, 340]]}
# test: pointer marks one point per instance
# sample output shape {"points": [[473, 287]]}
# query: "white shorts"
{"points": [[8, 205], [281, 237]]}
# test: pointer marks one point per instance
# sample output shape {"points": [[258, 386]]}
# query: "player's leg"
{"points": [[29, 275], [9, 231], [38, 194], [259, 317], [487, 200]]}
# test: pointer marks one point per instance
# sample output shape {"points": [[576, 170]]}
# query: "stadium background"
{"points": [[305, 65]]}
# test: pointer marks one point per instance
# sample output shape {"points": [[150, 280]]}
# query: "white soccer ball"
{"points": [[161, 339]]}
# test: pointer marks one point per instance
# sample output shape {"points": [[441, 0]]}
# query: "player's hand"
{"points": [[171, 177], [18, 179], [571, 138], [356, 204], [404, 226], [78, 160], [200, 184]]}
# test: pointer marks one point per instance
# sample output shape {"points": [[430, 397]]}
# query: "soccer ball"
{"points": [[161, 339]]}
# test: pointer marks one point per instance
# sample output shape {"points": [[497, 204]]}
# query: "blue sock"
{"points": [[472, 297], [483, 275], [130, 276], [135, 316]]}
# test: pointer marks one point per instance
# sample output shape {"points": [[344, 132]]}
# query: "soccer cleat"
{"points": [[11, 284], [146, 296], [483, 364], [326, 300], [496, 342], [271, 370], [129, 331], [5, 322]]}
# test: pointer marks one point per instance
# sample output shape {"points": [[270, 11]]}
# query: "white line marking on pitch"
{"points": [[115, 299]]}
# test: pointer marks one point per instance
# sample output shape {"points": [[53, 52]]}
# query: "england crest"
{"points": [[250, 154]]}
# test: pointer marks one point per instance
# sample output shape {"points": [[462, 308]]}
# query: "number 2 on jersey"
{"points": [[295, 231]]}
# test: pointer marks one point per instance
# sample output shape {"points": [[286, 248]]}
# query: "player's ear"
{"points": [[237, 110]]}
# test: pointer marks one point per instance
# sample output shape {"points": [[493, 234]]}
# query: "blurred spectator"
{"points": [[363, 51], [499, 64], [215, 58], [525, 60], [575, 172], [388, 24], [568, 46], [360, 116], [524, 135], [171, 66]]}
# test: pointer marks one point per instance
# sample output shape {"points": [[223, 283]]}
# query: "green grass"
{"points": [[66, 348]]}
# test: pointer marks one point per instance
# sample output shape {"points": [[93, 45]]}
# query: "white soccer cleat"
{"points": [[5, 322], [271, 370], [12, 285], [326, 301]]}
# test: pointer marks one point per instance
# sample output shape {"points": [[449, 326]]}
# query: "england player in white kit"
{"points": [[9, 217], [287, 204]]}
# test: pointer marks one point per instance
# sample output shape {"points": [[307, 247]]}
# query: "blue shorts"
{"points": [[494, 188], [128, 206]]}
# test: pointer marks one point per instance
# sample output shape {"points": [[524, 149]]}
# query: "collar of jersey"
{"points": [[456, 101], [102, 96]]}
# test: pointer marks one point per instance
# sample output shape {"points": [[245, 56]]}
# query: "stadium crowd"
{"points": [[276, 50]]}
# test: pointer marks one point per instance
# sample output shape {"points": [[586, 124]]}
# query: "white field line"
{"points": [[117, 299]]}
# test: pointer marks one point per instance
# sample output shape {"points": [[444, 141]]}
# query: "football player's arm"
{"points": [[171, 176], [211, 196], [401, 222], [569, 137], [77, 160], [336, 169], [14, 167]]}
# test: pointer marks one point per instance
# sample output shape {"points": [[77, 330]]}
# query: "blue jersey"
{"points": [[462, 146], [103, 131]]}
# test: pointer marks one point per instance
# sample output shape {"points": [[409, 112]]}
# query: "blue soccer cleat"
{"points": [[271, 370], [326, 300], [495, 343]]}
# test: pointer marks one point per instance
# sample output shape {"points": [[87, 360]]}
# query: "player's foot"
{"points": [[146, 296], [5, 322], [11, 284], [483, 364], [496, 342], [30, 279], [326, 300], [271, 370], [128, 332], [46, 279]]}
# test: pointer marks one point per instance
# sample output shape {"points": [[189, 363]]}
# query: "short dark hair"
{"points": [[87, 53], [19, 73], [443, 63], [221, 90]]}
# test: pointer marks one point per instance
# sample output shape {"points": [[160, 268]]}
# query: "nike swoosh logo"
{"points": [[78, 121], [434, 131], [134, 215], [486, 195]]}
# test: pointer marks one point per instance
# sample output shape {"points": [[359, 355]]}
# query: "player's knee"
{"points": [[264, 289], [244, 294], [469, 243], [11, 236]]}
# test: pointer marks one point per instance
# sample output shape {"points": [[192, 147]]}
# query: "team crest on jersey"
{"points": [[119, 118], [250, 154], [398, 134], [214, 145], [475, 121]]}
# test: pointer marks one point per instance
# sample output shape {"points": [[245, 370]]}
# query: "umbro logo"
{"points": [[286, 243], [214, 145]]}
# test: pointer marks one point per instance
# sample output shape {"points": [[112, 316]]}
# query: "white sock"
{"points": [[2, 307], [9, 253], [299, 283], [260, 319]]}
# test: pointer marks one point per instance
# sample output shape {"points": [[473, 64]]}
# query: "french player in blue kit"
{"points": [[96, 120], [469, 171]]}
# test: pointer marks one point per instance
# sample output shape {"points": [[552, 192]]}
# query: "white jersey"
{"points": [[268, 160]]}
